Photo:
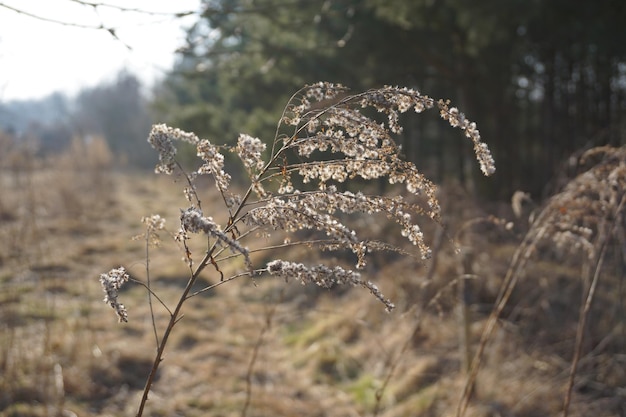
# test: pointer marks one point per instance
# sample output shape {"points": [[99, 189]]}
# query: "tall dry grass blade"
{"points": [[584, 311]]}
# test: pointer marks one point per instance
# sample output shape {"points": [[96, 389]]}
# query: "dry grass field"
{"points": [[323, 353], [319, 352]]}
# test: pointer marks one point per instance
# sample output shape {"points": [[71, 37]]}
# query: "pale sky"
{"points": [[38, 57]]}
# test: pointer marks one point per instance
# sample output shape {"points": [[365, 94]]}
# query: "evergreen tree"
{"points": [[541, 78]]}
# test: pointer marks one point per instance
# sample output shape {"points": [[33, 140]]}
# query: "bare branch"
{"points": [[95, 5], [59, 22]]}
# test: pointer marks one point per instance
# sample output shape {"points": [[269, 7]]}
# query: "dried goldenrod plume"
{"points": [[581, 219], [111, 283], [323, 140], [579, 216], [324, 118]]}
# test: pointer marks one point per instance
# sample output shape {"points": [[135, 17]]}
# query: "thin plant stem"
{"points": [[174, 318], [582, 322], [584, 313], [154, 328], [393, 365], [222, 282], [255, 351], [143, 284], [520, 259]]}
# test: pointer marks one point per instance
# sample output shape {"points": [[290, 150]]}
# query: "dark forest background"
{"points": [[542, 79]]}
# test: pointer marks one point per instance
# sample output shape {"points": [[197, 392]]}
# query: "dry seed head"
{"points": [[111, 283]]}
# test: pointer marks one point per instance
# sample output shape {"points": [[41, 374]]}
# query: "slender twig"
{"points": [[96, 5], [143, 284], [315, 242], [582, 321], [154, 328], [255, 351], [519, 261], [222, 282], [110, 29], [393, 365], [174, 317], [59, 22]]}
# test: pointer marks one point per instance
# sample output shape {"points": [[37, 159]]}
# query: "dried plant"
{"points": [[582, 219], [323, 139]]}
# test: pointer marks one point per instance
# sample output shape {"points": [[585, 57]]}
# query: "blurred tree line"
{"points": [[541, 78], [117, 110], [120, 112]]}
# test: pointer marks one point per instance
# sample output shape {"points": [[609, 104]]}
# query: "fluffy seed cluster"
{"points": [[154, 222], [579, 217], [249, 150], [307, 97], [292, 213], [162, 139], [213, 164], [192, 221], [315, 210], [324, 277], [457, 119], [363, 147], [111, 283], [342, 128]]}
